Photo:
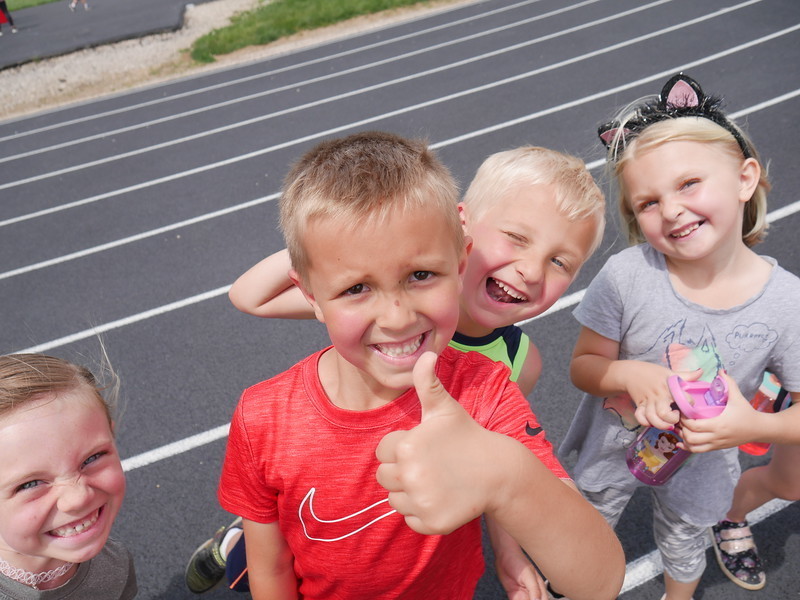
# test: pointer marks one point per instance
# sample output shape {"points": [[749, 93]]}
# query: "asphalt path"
{"points": [[126, 219], [52, 29]]}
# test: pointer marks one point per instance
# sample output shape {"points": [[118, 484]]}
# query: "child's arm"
{"points": [[531, 369], [516, 573], [265, 290], [740, 423], [448, 470], [270, 567], [596, 369]]}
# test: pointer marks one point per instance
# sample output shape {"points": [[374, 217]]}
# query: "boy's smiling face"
{"points": [[524, 256], [387, 291]]}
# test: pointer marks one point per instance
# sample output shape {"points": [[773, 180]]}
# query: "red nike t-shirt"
{"points": [[295, 458]]}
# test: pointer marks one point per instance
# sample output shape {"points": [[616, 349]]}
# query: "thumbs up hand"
{"points": [[440, 474]]}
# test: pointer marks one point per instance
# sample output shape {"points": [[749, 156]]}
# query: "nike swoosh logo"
{"points": [[531, 431], [324, 530]]}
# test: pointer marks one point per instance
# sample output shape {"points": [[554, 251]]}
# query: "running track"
{"points": [[127, 218]]}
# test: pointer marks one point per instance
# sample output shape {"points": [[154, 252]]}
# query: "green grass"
{"points": [[269, 22], [281, 18], [17, 4]]}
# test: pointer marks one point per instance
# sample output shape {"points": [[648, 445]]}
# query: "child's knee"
{"points": [[783, 483], [683, 560], [787, 489], [682, 545]]}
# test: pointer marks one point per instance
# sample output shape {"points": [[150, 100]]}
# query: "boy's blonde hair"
{"points": [[27, 377], [689, 129], [577, 195], [370, 175]]}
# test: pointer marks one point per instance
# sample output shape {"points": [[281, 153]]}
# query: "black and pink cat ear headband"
{"points": [[681, 96]]}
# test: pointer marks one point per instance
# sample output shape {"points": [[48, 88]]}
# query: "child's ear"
{"points": [[462, 214], [749, 176], [467, 250], [307, 294], [462, 262]]}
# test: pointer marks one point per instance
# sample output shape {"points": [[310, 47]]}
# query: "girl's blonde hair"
{"points": [[28, 377], [689, 129]]}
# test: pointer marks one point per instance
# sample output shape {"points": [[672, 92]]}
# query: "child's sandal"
{"points": [[737, 554]]}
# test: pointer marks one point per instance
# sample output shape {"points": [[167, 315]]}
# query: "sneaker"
{"points": [[13, 30], [737, 554], [206, 568], [72, 6]]}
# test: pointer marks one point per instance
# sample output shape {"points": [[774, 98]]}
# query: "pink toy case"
{"points": [[654, 457]]}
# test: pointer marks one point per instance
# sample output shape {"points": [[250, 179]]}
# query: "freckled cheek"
{"points": [[554, 289], [482, 257], [444, 309], [111, 483], [118, 484], [347, 326], [649, 226], [28, 523]]}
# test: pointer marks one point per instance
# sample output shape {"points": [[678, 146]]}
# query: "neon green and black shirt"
{"points": [[508, 345]]}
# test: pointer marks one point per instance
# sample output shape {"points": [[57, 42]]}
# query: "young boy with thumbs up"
{"points": [[377, 249]]}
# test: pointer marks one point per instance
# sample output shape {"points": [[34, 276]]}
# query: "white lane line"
{"points": [[142, 316], [335, 74], [649, 566], [401, 111], [249, 204], [135, 238], [330, 99], [175, 448], [272, 72], [597, 96]]}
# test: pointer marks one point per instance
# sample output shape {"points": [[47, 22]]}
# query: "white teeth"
{"points": [[399, 350], [510, 291], [685, 232], [76, 529]]}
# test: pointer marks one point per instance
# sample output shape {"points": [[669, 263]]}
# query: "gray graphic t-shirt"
{"points": [[632, 301]]}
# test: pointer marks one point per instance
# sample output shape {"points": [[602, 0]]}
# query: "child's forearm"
{"points": [[594, 367], [515, 571], [598, 375], [276, 586], [501, 541], [776, 428], [564, 535], [265, 290], [531, 369], [740, 423]]}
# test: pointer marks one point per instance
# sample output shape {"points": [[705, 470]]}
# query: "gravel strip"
{"points": [[117, 67]]}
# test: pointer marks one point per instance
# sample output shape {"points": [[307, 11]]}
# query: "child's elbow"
{"points": [[609, 582], [604, 569], [610, 586], [235, 297], [575, 370]]}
